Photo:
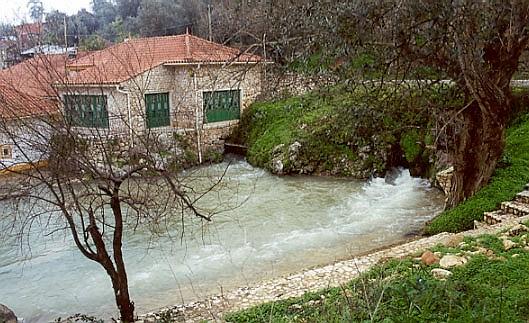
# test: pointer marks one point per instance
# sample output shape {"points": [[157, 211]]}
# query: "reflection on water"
{"points": [[285, 224]]}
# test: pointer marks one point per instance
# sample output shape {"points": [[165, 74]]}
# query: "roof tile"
{"points": [[125, 60]]}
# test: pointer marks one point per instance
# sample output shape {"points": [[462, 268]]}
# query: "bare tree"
{"points": [[101, 184]]}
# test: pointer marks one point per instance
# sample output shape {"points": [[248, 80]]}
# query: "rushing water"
{"points": [[286, 224]]}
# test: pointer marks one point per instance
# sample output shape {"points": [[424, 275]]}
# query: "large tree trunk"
{"points": [[478, 148], [121, 293]]}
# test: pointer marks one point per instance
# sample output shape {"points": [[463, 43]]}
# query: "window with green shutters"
{"points": [[87, 110], [157, 110], [222, 105]]}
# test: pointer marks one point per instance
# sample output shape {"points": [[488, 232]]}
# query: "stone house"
{"points": [[28, 101], [161, 85]]}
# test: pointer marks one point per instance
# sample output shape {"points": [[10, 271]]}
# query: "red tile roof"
{"points": [[34, 28], [27, 88], [36, 75], [17, 104], [125, 60]]}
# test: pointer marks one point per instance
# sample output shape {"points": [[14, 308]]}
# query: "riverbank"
{"points": [[342, 131], [510, 177], [304, 295]]}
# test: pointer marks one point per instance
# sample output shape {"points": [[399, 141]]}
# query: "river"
{"points": [[284, 225]]}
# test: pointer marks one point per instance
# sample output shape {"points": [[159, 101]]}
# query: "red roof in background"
{"points": [[27, 88], [34, 28], [125, 60], [36, 75], [17, 104]]}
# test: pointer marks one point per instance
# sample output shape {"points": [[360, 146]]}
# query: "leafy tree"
{"points": [[104, 11], [85, 23], [160, 17], [128, 8], [36, 9], [93, 42], [475, 44]]}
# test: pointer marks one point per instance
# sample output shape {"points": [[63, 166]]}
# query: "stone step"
{"points": [[497, 216], [522, 197], [515, 208]]}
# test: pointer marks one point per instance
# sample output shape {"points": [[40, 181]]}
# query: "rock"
{"points": [[428, 258], [486, 252], [517, 229], [278, 149], [455, 240], [277, 166], [7, 315], [365, 149], [444, 179], [509, 244], [392, 175], [293, 150], [441, 274], [450, 261]]}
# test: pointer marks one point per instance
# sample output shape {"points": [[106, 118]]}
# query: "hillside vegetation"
{"points": [[344, 132]]}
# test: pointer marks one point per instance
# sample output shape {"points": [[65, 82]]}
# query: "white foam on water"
{"points": [[287, 224]]}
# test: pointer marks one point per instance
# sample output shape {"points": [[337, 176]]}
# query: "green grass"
{"points": [[342, 131], [486, 289], [507, 180]]}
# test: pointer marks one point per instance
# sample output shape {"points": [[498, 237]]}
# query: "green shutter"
{"points": [[157, 110], [222, 105], [87, 111]]}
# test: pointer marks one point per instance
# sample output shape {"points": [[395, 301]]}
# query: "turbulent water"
{"points": [[285, 224]]}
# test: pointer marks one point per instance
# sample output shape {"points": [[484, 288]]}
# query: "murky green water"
{"points": [[286, 224]]}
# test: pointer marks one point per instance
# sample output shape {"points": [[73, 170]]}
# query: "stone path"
{"points": [[214, 307]]}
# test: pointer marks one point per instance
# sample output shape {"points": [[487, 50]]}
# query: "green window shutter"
{"points": [[222, 105], [157, 110], [87, 111]]}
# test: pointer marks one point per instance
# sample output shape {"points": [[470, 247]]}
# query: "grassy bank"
{"points": [[490, 287], [342, 131], [509, 178]]}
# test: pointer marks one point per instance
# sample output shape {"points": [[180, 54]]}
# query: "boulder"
{"points": [[428, 258], [441, 274], [449, 261], [278, 149], [7, 315]]}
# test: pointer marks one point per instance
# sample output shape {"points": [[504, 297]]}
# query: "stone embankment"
{"points": [[214, 307]]}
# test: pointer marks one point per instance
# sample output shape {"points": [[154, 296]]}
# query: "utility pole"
{"points": [[65, 34], [209, 22]]}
